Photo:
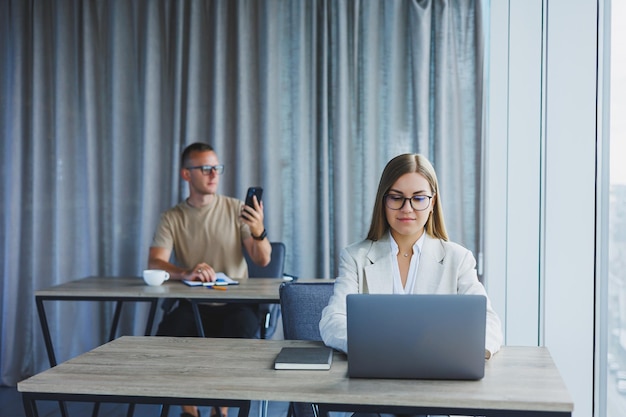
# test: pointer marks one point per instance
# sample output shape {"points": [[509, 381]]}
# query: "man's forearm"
{"points": [[174, 271]]}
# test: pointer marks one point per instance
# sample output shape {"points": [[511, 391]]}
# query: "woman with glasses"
{"points": [[406, 251]]}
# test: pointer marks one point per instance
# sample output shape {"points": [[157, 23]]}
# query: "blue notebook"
{"points": [[220, 279]]}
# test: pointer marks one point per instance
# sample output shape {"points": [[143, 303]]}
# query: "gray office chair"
{"points": [[301, 305], [269, 313]]}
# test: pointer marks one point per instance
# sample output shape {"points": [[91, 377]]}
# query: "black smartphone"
{"points": [[254, 191]]}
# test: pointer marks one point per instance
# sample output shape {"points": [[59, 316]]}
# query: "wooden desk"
{"points": [[121, 289], [519, 381]]}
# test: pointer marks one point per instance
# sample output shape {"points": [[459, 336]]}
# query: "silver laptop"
{"points": [[416, 336]]}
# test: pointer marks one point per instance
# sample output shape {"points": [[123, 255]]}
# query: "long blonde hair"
{"points": [[397, 167]]}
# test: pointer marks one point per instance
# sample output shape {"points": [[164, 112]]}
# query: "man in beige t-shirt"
{"points": [[207, 233]]}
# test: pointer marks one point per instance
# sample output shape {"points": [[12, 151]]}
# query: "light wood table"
{"points": [[519, 381], [123, 289]]}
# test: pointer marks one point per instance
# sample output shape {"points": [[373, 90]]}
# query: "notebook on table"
{"points": [[414, 336], [304, 358]]}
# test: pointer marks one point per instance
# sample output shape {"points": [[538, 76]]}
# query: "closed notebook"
{"points": [[304, 358]]}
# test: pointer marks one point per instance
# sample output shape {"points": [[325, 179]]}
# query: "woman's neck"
{"points": [[405, 242]]}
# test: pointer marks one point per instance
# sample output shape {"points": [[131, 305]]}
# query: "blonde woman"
{"points": [[406, 251]]}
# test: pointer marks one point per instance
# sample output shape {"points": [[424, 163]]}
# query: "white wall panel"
{"points": [[570, 193], [524, 172], [495, 158], [513, 167]]}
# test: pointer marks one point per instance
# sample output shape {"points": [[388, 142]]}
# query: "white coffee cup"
{"points": [[155, 277]]}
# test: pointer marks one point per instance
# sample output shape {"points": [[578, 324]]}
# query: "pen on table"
{"points": [[218, 287]]}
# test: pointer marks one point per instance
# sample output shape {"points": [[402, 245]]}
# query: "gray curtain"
{"points": [[308, 99]]}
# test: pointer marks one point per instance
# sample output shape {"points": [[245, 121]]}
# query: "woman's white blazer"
{"points": [[365, 267]]}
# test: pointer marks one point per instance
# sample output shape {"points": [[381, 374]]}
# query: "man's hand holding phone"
{"points": [[251, 193], [252, 211]]}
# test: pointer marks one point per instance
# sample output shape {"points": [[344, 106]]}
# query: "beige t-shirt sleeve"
{"points": [[163, 235]]}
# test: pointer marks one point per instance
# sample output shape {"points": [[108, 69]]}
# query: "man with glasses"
{"points": [[207, 233]]}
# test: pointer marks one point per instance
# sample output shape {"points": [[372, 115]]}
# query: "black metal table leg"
{"points": [[46, 331], [196, 315], [43, 320], [116, 319], [30, 406], [151, 315]]}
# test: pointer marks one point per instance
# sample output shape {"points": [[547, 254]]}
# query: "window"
{"points": [[615, 317]]}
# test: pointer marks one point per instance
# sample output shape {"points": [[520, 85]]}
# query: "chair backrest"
{"points": [[274, 269], [301, 304]]}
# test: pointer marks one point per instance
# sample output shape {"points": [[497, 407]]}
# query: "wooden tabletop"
{"points": [[516, 378], [249, 289]]}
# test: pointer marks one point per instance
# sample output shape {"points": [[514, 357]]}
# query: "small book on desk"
{"points": [[220, 279], [304, 358]]}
